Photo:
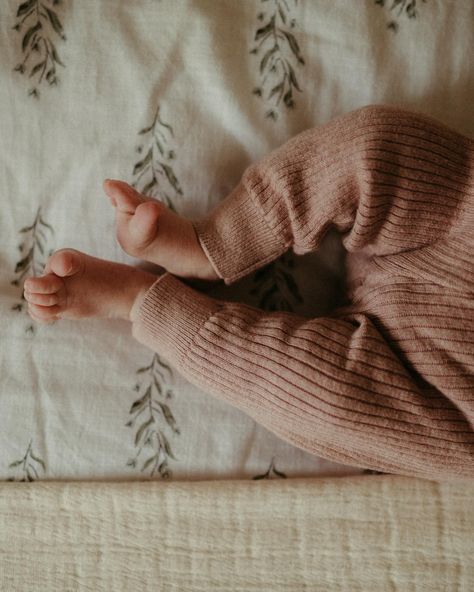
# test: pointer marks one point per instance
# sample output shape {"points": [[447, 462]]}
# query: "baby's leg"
{"points": [[148, 230], [391, 180], [76, 285]]}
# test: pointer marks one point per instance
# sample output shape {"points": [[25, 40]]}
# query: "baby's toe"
{"points": [[42, 299], [43, 314], [123, 196], [65, 262], [143, 226], [47, 284]]}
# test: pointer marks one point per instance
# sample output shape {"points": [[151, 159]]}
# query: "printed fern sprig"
{"points": [[157, 161], [148, 411], [278, 47], [406, 7], [34, 255], [274, 281], [271, 469], [41, 21], [28, 465]]}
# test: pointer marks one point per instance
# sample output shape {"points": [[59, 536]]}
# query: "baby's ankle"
{"points": [[201, 267]]}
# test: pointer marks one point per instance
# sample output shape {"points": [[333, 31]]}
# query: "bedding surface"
{"points": [[357, 534], [177, 97]]}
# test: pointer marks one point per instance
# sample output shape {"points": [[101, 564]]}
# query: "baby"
{"points": [[386, 382]]}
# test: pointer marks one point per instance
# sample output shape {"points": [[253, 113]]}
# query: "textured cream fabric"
{"points": [[354, 534]]}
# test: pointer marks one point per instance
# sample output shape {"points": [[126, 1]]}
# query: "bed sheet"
{"points": [[336, 534], [177, 97]]}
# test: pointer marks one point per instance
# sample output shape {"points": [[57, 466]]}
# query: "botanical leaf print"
{"points": [[34, 255], [40, 25], [405, 8], [279, 54], [150, 414], [157, 161], [275, 285], [271, 469], [27, 467]]}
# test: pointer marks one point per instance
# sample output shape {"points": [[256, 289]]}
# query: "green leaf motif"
{"points": [[282, 14], [30, 466], [24, 262], [25, 7], [17, 463], [160, 147], [166, 445], [38, 460], [55, 55], [166, 366], [167, 414], [29, 34], [165, 125], [142, 401], [287, 99], [54, 21], [44, 21], [157, 385], [266, 57], [149, 186], [143, 427], [282, 475], [293, 44], [36, 68], [266, 29], [143, 163], [276, 59], [276, 89], [171, 177], [293, 78], [146, 130], [149, 461]]}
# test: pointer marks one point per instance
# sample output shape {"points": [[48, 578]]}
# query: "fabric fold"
{"points": [[236, 237]]}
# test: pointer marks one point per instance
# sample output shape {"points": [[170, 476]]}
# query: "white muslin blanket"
{"points": [[177, 97]]}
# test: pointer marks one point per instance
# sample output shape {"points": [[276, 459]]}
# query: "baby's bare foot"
{"points": [[149, 230], [76, 285]]}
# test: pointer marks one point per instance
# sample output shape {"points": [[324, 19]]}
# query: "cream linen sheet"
{"points": [[87, 95], [356, 534]]}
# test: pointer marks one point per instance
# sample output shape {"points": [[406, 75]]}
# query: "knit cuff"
{"points": [[236, 237], [170, 316]]}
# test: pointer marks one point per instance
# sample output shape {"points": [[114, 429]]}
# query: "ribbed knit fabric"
{"points": [[387, 382]]}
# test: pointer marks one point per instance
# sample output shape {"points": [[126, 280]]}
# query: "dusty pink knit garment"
{"points": [[387, 382]]}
